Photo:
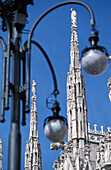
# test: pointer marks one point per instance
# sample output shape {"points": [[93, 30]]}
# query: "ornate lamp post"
{"points": [[14, 14]]}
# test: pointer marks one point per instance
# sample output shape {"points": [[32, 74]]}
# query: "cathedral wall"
{"points": [[93, 148]]}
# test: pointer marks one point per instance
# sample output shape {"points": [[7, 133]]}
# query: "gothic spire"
{"points": [[33, 117], [74, 42], [33, 149], [76, 99], [1, 155]]}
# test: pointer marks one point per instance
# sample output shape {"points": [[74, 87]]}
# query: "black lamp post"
{"points": [[14, 14]]}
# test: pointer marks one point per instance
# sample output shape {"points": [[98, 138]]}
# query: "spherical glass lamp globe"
{"points": [[94, 60], [55, 128]]}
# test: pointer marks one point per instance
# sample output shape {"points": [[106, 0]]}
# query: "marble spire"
{"points": [[74, 42], [33, 117]]}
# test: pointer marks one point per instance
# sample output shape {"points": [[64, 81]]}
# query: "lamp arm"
{"points": [[3, 78], [3, 44], [8, 55], [55, 92], [31, 33], [57, 6]]}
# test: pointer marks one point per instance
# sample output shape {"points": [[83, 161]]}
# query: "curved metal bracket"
{"points": [[8, 55], [3, 79], [55, 92], [31, 33]]}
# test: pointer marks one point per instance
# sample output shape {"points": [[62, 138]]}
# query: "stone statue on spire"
{"points": [[73, 18], [109, 85], [34, 88], [34, 94]]}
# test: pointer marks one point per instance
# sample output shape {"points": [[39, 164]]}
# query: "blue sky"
{"points": [[53, 33]]}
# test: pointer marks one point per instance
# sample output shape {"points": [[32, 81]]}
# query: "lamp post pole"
{"points": [[15, 136], [14, 15]]}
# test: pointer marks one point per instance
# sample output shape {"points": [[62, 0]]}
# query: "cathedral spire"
{"points": [[33, 149], [76, 99], [33, 117], [74, 42], [1, 155]]}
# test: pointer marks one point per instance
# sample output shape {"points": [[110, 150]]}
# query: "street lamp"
{"points": [[55, 127], [14, 14], [94, 58]]}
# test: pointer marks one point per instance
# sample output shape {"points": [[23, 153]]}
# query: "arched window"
{"points": [[69, 86], [35, 157], [79, 88]]}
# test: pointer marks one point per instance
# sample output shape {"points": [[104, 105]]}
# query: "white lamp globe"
{"points": [[55, 129], [94, 61]]}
